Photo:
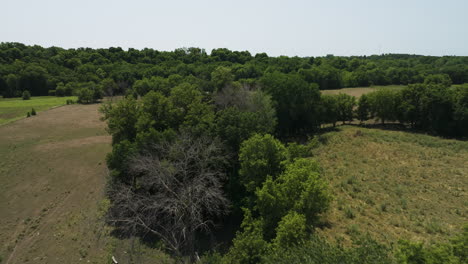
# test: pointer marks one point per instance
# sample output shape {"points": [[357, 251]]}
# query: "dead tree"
{"points": [[178, 192]]}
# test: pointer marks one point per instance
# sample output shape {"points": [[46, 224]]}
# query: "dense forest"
{"points": [[216, 142], [41, 70]]}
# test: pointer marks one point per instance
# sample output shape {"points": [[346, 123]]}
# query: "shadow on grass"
{"points": [[405, 128]]}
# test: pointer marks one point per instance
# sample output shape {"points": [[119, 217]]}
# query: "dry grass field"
{"points": [[358, 91], [394, 185], [52, 181], [52, 177]]}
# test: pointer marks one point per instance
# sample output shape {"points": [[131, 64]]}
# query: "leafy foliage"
{"points": [[260, 156], [454, 252], [300, 189]]}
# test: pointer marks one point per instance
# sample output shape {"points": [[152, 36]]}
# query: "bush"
{"points": [[453, 252], [70, 101], [51, 93], [26, 95], [28, 114], [33, 112], [318, 250], [85, 96], [291, 230]]}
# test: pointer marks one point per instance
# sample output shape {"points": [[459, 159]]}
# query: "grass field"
{"points": [[12, 109], [358, 91], [394, 185], [52, 180]]}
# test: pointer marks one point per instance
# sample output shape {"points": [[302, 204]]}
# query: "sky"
{"points": [[291, 27]]}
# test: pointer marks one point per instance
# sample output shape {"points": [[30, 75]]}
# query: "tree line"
{"points": [[58, 71], [431, 107]]}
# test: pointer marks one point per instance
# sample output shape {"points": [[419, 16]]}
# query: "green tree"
{"points": [[460, 106], [329, 109], [121, 119], [297, 102], [108, 86], [85, 96], [291, 230], [363, 110], [26, 95], [221, 77], [384, 104], [248, 247], [345, 104], [411, 106], [259, 156], [300, 188], [11, 86], [442, 79], [253, 114], [156, 112]]}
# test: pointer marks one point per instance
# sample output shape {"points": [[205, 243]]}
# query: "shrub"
{"points": [[349, 213], [28, 114], [296, 151], [26, 95], [318, 250], [291, 230], [33, 112], [85, 96]]}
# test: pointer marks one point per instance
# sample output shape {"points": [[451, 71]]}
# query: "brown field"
{"points": [[52, 180], [52, 177], [358, 91]]}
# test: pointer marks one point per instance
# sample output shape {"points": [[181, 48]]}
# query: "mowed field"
{"points": [[52, 178], [12, 109], [394, 185], [358, 91]]}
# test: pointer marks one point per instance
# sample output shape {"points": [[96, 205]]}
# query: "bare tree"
{"points": [[178, 192], [232, 95]]}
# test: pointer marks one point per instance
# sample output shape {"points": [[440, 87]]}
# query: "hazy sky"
{"points": [[293, 27]]}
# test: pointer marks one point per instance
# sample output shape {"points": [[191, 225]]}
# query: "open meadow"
{"points": [[52, 180], [12, 109], [394, 185]]}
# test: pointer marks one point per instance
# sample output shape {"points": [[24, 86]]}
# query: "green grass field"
{"points": [[12, 109], [358, 91], [394, 185]]}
